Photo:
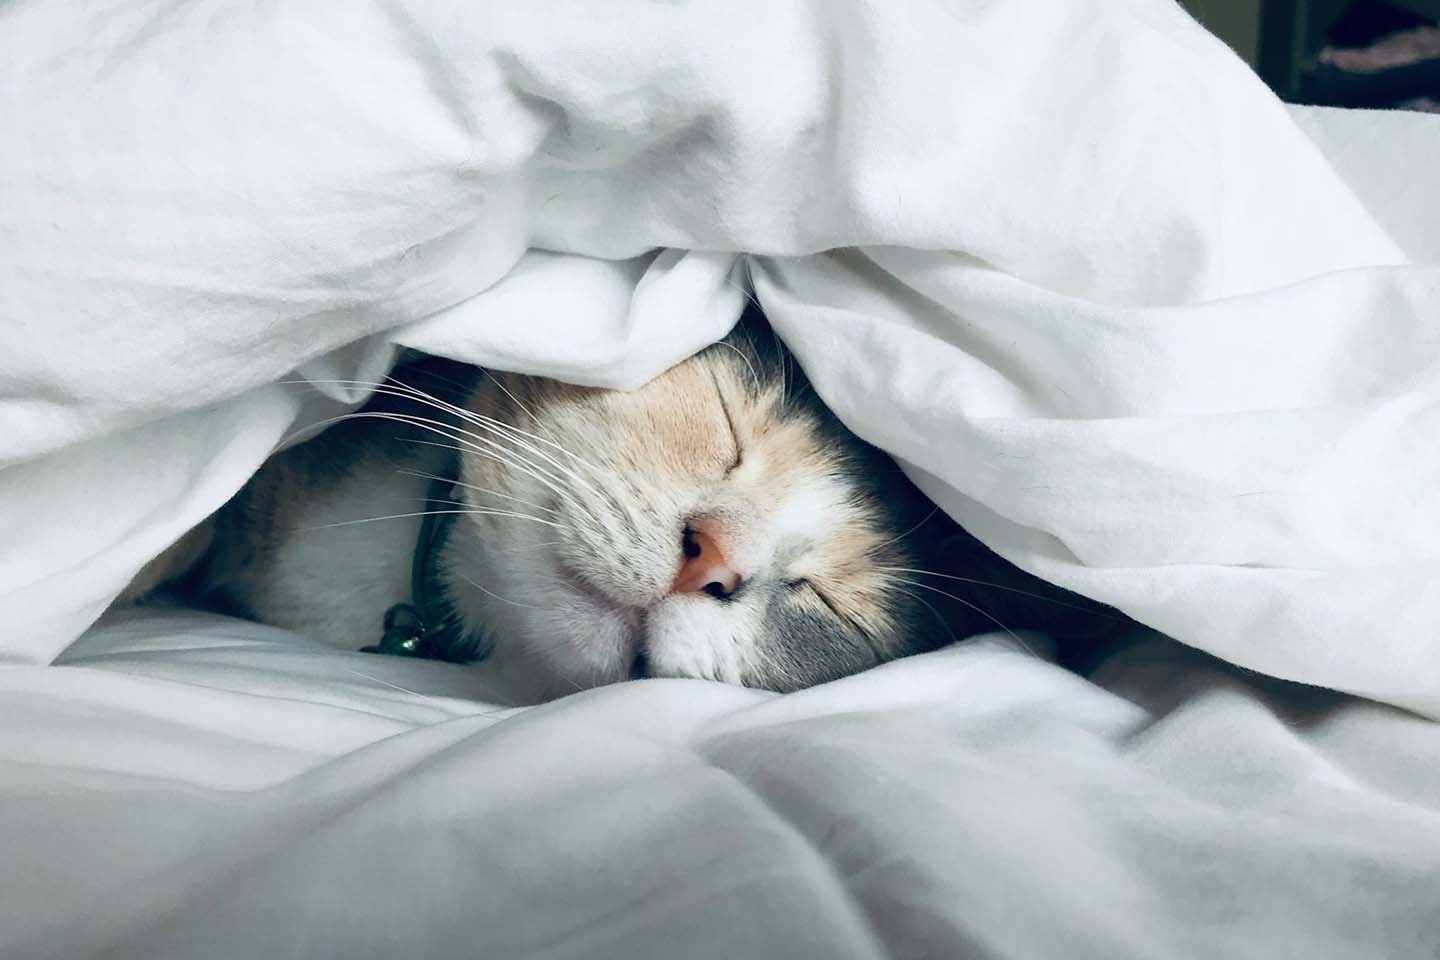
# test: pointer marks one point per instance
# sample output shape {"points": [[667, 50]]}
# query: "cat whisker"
{"points": [[495, 596], [754, 374], [411, 420], [568, 496], [513, 433], [427, 513], [513, 399], [484, 447], [902, 536], [425, 697], [524, 547], [413, 392], [400, 389], [507, 456], [573, 496], [495, 453], [511, 454], [1000, 586], [549, 646], [539, 425], [471, 506], [746, 291], [605, 476], [517, 453], [978, 609], [386, 683], [420, 474], [933, 612]]}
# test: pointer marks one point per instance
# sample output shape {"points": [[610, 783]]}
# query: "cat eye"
{"points": [[730, 421], [805, 583]]}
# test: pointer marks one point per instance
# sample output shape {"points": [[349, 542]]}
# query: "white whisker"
{"points": [[754, 374], [933, 612], [512, 457], [978, 609], [426, 513], [1000, 586], [420, 474], [496, 596], [902, 536]]}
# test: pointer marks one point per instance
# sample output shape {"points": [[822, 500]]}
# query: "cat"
{"points": [[718, 523]]}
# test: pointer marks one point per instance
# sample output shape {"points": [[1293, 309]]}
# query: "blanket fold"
{"points": [[1094, 284]]}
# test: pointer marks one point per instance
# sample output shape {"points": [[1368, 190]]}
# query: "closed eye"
{"points": [[730, 421], [805, 583]]}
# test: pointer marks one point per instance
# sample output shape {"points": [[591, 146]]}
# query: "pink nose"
{"points": [[704, 567]]}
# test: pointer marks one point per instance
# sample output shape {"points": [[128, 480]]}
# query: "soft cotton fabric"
{"points": [[1105, 297], [1142, 329], [182, 786]]}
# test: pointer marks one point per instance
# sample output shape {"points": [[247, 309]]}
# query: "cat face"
{"points": [[718, 523]]}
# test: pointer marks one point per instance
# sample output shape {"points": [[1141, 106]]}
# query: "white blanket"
{"points": [[189, 788], [1106, 298], [1143, 330]]}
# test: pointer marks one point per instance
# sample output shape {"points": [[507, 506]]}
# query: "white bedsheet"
{"points": [[184, 787]]}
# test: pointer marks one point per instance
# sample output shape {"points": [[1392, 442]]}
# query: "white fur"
{"points": [[807, 511], [692, 636], [335, 583], [551, 637], [564, 564]]}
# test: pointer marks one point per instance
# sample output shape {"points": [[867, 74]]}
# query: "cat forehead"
{"points": [[712, 410], [809, 509]]}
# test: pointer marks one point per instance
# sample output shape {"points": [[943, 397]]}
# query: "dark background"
{"points": [[1281, 39]]}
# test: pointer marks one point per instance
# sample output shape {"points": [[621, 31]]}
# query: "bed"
{"points": [[1147, 332]]}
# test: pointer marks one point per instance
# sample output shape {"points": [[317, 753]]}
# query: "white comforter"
{"points": [[184, 787], [1142, 329], [1104, 294]]}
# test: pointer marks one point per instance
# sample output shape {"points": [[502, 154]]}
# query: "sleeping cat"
{"points": [[717, 523]]}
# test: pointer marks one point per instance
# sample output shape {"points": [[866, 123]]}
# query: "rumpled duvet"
{"points": [[1142, 329], [1070, 262], [181, 787]]}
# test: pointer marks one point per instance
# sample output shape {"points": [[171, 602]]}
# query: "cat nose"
{"points": [[703, 565]]}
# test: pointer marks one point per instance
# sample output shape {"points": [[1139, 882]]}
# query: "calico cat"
{"points": [[717, 523]]}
